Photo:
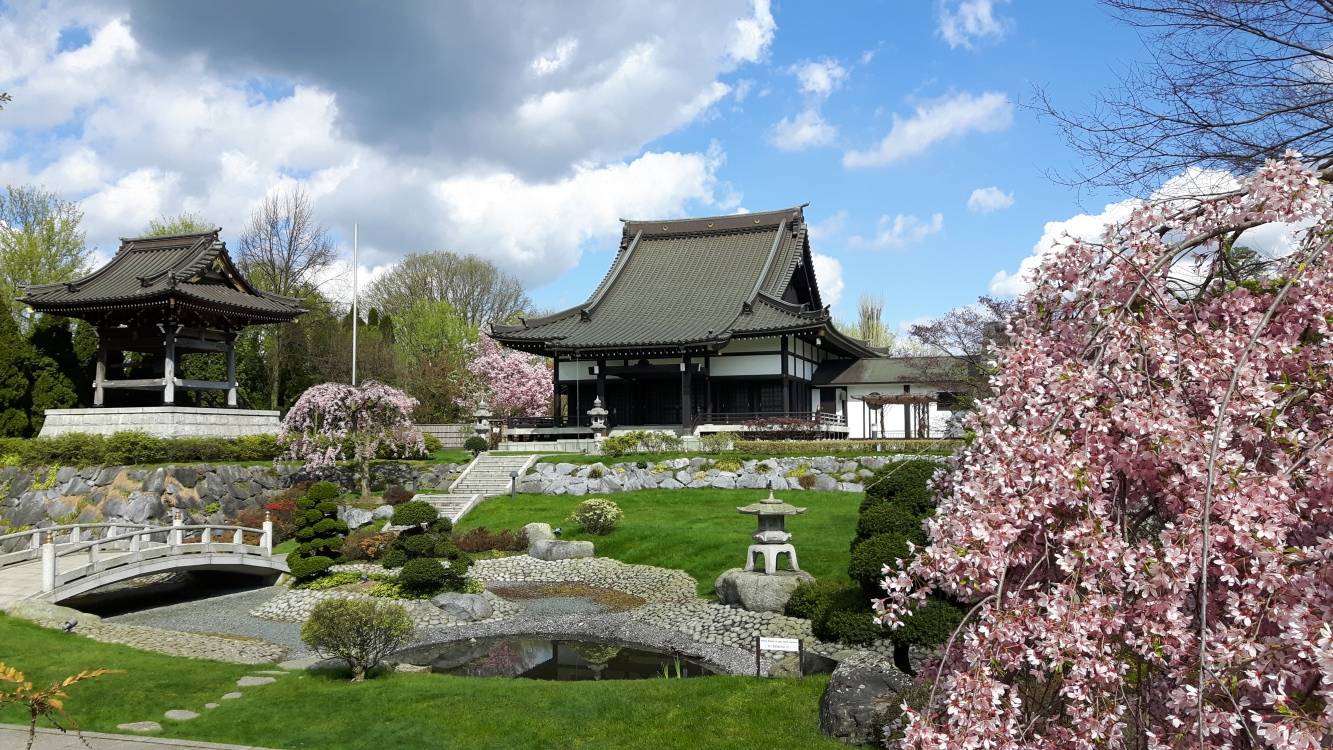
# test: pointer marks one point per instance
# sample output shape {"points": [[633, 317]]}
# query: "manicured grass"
{"points": [[698, 531], [416, 710], [652, 458], [458, 456]]}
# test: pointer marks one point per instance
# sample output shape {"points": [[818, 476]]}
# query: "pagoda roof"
{"points": [[192, 272], [693, 284]]}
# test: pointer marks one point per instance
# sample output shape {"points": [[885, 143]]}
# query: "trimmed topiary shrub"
{"points": [[442, 525], [596, 516], [929, 625], [869, 558], [358, 631], [417, 545], [889, 518], [896, 477], [476, 444], [323, 491], [304, 568], [422, 576], [393, 558], [811, 599], [318, 530], [847, 619], [414, 513]]}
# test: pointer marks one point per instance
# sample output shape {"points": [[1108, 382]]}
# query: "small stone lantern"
{"points": [[597, 415], [772, 536], [483, 426]]}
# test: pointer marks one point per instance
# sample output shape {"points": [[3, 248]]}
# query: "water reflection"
{"points": [[540, 659]]}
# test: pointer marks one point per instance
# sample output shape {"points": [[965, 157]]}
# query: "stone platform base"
{"points": [[162, 421], [759, 592]]}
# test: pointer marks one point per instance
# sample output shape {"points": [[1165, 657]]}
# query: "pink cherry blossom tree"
{"points": [[337, 422], [512, 383], [1143, 526]]}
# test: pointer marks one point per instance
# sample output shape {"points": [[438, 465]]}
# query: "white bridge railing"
{"points": [[70, 552]]}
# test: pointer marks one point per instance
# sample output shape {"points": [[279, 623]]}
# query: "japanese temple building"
{"points": [[161, 297], [700, 325]]}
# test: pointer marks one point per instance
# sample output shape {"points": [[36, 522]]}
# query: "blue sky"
{"points": [[521, 132]]}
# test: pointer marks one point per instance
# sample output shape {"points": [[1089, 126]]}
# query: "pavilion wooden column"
{"points": [[169, 367], [786, 379], [231, 370], [99, 374], [601, 386], [708, 385], [555, 392], [686, 393]]}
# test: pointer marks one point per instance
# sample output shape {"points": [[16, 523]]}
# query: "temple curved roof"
{"points": [[188, 274], [692, 285]]}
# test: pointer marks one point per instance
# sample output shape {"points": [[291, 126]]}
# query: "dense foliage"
{"points": [[78, 449], [640, 441], [843, 447], [1154, 410], [336, 421], [319, 533], [360, 632], [596, 516]]}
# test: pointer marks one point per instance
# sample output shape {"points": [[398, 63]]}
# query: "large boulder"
{"points": [[756, 591], [538, 532], [463, 607], [860, 700], [355, 517], [556, 549], [382, 512]]}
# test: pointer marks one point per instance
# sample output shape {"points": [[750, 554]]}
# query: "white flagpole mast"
{"points": [[355, 319]]}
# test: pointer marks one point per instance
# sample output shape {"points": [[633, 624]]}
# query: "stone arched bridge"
{"points": [[56, 563]]}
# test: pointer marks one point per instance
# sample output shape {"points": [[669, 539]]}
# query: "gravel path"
{"points": [[227, 614]]}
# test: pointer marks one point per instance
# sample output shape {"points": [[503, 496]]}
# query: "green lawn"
{"points": [[652, 458], [416, 710], [698, 531]]}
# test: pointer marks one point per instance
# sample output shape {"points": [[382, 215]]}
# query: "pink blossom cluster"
{"points": [[512, 383], [335, 421], [1074, 523]]}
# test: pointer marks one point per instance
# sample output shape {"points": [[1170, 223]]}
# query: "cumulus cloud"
{"points": [[827, 229], [942, 119], [819, 77], [962, 23], [987, 199], [160, 127], [900, 230], [828, 273], [1272, 240], [807, 130]]}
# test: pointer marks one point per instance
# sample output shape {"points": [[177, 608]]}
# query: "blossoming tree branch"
{"points": [[1143, 525]]}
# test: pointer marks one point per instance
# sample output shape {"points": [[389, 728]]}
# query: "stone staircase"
{"points": [[486, 476]]}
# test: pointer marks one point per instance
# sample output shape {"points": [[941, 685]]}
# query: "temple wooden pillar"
{"points": [[686, 393], [169, 367], [601, 387], [99, 374], [786, 378], [231, 370], [555, 392]]}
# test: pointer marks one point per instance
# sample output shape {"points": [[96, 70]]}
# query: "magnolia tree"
{"points": [[1145, 423], [513, 384], [338, 422]]}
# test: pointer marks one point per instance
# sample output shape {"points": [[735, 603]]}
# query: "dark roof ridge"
{"points": [[147, 238], [714, 224]]}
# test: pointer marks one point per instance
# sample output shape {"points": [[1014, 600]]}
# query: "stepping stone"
{"points": [[299, 664], [231, 696], [177, 714], [140, 726], [252, 681], [210, 706]]}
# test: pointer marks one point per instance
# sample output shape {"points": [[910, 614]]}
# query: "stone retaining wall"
{"points": [[785, 473], [207, 493]]}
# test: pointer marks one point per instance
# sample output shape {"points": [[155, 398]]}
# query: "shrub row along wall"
{"points": [[785, 473], [205, 493]]}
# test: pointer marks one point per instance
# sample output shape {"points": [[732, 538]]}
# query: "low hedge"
{"points": [[869, 558], [890, 518], [904, 483], [859, 447], [79, 449]]}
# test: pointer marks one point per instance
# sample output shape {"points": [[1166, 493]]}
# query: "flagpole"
{"points": [[355, 319]]}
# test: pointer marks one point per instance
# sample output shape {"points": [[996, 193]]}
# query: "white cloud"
{"points": [[807, 130], [741, 90], [951, 117], [900, 230], [1273, 240], [867, 56], [987, 199], [555, 59], [828, 274], [753, 34], [963, 22], [819, 78], [822, 231]]}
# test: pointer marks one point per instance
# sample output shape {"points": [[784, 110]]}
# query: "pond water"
{"points": [[540, 659]]}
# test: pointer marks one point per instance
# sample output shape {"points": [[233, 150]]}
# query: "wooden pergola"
{"points": [[163, 297]]}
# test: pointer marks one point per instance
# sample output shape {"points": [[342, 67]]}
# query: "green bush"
{"points": [[417, 545], [900, 477], [476, 444], [619, 445], [328, 526], [889, 518], [715, 442], [929, 625], [304, 568], [853, 627], [80, 449], [323, 491], [393, 558], [870, 556], [433, 444], [858, 447], [442, 525], [596, 516], [414, 513], [360, 632], [422, 576], [811, 599]]}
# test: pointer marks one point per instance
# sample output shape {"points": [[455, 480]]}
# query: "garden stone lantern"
{"points": [[772, 536], [483, 416], [597, 415]]}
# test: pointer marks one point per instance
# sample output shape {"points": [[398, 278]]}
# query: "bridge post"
{"points": [[238, 537], [134, 541], [36, 539], [113, 530], [267, 541], [49, 564], [75, 535], [174, 537]]}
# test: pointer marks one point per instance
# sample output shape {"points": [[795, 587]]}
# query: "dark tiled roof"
{"points": [[890, 370], [688, 283], [194, 270]]}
